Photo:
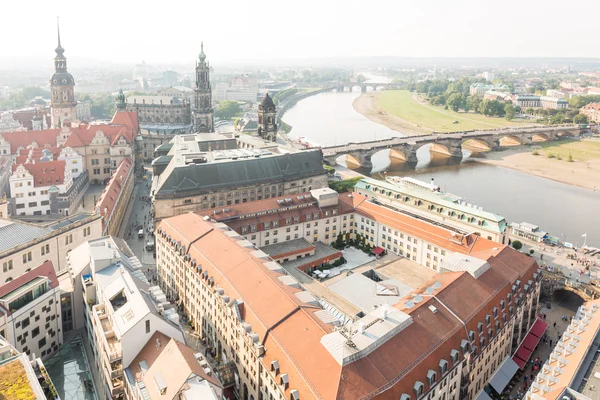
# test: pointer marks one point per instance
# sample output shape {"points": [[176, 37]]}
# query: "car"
{"points": [[150, 245], [141, 234]]}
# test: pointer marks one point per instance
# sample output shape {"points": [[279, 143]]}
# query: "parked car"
{"points": [[141, 234]]}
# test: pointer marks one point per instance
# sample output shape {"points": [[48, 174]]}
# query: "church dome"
{"points": [[62, 79], [267, 101]]}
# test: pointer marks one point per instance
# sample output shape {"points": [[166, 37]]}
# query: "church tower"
{"points": [[121, 101], [267, 119], [203, 118], [62, 103]]}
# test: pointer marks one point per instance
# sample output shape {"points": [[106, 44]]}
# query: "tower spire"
{"points": [[58, 29], [59, 49]]}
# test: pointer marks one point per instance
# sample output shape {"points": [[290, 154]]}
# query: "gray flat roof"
{"points": [[286, 247]]}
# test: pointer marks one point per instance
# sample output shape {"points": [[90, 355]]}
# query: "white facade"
{"points": [[119, 317], [8, 123], [32, 199], [73, 160], [30, 318], [28, 245]]}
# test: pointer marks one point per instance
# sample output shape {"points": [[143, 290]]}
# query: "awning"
{"points": [[528, 344], [378, 250], [538, 328], [483, 396], [504, 374]]}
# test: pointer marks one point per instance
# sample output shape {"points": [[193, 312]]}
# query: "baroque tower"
{"points": [[203, 118], [62, 103], [267, 119]]}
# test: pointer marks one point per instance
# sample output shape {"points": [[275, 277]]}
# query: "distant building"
{"points": [[62, 89], [528, 231], [527, 101], [170, 78], [559, 94], [5, 171], [203, 114], [553, 103], [496, 95], [489, 76], [8, 123], [241, 88], [267, 119], [592, 111], [182, 92], [479, 89], [83, 111], [30, 311], [156, 113]]}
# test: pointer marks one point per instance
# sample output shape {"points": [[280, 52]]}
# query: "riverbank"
{"points": [[367, 105], [584, 174]]}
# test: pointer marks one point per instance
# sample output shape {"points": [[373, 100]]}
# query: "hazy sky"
{"points": [[171, 31]]}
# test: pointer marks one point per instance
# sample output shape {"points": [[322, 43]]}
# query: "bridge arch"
{"points": [[477, 144], [510, 140], [540, 137], [443, 148]]}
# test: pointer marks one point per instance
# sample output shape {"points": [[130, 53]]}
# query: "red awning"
{"points": [[538, 328], [528, 344], [378, 250], [530, 341]]}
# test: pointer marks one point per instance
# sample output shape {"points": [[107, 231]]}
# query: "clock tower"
{"points": [[63, 106], [203, 117]]}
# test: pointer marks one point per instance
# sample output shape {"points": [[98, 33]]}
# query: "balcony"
{"points": [[104, 329]]}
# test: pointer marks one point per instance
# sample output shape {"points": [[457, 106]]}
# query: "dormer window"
{"points": [[419, 387], [472, 335], [454, 355], [284, 381], [431, 376], [443, 366]]}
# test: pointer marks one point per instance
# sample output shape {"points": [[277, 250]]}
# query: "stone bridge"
{"points": [[553, 281], [405, 148], [340, 86]]}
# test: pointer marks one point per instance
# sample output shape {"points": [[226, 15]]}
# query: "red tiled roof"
{"points": [[47, 173], [24, 139], [46, 269], [107, 202], [127, 118], [84, 135]]}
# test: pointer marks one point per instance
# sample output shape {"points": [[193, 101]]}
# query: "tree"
{"points": [[580, 119], [517, 245], [227, 109], [360, 78], [509, 110], [455, 101]]}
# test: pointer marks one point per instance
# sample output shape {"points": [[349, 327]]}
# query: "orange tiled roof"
{"points": [[129, 119], [84, 134], [46, 173], [24, 139], [268, 304], [107, 201]]}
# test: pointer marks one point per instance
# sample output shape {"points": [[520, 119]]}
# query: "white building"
{"points": [[8, 123], [30, 312], [24, 246], [32, 184], [122, 311], [73, 161], [489, 76]]}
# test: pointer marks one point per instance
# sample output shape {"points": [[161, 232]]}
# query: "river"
{"points": [[562, 210]]}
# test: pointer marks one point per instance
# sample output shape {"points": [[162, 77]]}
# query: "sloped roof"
{"points": [[200, 178], [127, 118], [84, 135], [47, 173], [24, 139], [111, 192], [46, 270]]}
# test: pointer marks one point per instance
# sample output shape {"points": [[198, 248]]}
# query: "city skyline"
{"points": [[317, 30]]}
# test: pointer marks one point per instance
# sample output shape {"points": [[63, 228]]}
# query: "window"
{"points": [[147, 326], [42, 342], [87, 231], [25, 323], [68, 239], [7, 266], [35, 332], [45, 249], [26, 257], [95, 161]]}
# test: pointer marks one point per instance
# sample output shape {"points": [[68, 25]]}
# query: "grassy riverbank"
{"points": [[406, 106]]}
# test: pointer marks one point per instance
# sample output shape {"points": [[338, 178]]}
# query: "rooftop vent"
{"points": [[433, 309]]}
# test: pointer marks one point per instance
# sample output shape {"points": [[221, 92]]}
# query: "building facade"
{"points": [[592, 111], [160, 112], [8, 123], [113, 202], [203, 116], [412, 195], [436, 342], [23, 246], [189, 180], [30, 312]]}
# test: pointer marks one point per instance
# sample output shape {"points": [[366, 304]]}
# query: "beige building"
{"points": [[24, 246], [440, 334], [592, 111], [191, 179]]}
